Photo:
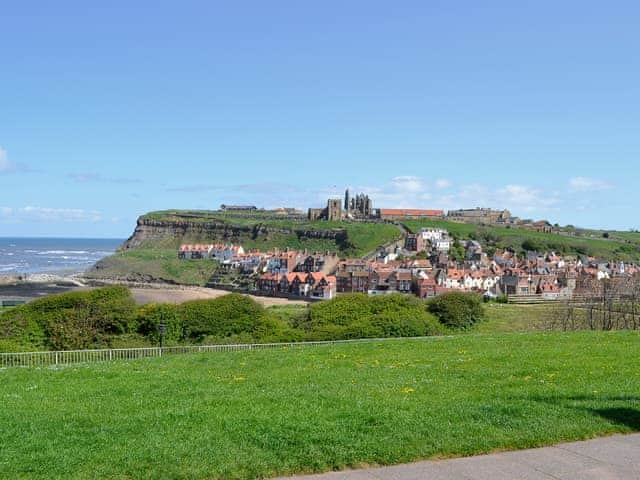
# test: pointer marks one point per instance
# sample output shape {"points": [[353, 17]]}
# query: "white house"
{"points": [[433, 234], [442, 244], [226, 252]]}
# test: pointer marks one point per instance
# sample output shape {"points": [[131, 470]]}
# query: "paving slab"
{"points": [[616, 457]]}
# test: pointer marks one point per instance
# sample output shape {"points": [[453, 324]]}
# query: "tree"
{"points": [[457, 309]]}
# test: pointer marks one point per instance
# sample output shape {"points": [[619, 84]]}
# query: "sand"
{"points": [[152, 294]]}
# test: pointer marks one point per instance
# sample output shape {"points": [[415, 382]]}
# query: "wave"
{"points": [[63, 252], [9, 268]]}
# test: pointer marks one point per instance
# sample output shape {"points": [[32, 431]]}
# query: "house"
{"points": [[425, 287], [414, 242], [442, 244], [383, 281], [354, 281], [433, 234], [224, 252], [312, 284], [321, 286], [284, 261], [195, 251], [479, 215], [269, 283]]}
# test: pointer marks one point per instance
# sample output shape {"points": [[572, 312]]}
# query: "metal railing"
{"points": [[66, 357]]}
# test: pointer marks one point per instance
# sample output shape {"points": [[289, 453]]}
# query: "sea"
{"points": [[55, 256]]}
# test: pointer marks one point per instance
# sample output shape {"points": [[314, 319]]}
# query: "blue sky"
{"points": [[111, 110]]}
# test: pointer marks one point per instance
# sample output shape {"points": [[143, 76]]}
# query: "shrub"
{"points": [[502, 299], [71, 320], [457, 309], [225, 316], [149, 318], [342, 310], [360, 316]]}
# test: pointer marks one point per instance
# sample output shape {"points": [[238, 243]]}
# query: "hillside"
{"points": [[609, 245], [151, 251]]}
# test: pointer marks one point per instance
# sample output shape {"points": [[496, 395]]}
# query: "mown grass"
{"points": [[256, 414]]}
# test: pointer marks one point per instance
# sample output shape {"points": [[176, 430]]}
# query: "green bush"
{"points": [[225, 316], [150, 316], [457, 309], [361, 316], [502, 299], [342, 310], [71, 320]]}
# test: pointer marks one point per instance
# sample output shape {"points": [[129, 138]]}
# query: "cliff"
{"points": [[150, 232], [150, 253]]}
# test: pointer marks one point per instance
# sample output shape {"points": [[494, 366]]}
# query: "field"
{"points": [[505, 318], [262, 413]]}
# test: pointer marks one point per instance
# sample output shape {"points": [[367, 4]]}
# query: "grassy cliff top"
{"points": [[606, 245]]}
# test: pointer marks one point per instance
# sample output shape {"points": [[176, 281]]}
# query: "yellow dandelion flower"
{"points": [[239, 379], [407, 390]]}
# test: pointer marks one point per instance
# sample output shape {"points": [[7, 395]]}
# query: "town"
{"points": [[426, 263]]}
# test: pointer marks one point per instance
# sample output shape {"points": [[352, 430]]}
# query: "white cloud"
{"points": [[443, 183], [99, 178], [585, 184], [401, 192], [46, 214], [517, 198], [521, 195], [5, 165], [409, 184]]}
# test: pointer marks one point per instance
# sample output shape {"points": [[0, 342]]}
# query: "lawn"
{"points": [[505, 318], [262, 413]]}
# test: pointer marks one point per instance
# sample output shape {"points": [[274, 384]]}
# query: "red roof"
{"points": [[411, 212]]}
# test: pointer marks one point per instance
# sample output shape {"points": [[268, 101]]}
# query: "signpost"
{"points": [[162, 329]]}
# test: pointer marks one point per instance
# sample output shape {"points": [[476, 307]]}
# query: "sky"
{"points": [[112, 109]]}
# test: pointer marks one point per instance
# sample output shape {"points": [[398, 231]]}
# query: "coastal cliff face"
{"points": [[150, 231]]}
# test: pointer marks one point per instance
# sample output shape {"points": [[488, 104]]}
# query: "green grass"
{"points": [[291, 314], [155, 264], [362, 238], [505, 318], [619, 246], [263, 413]]}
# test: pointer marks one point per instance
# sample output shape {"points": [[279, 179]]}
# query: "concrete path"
{"points": [[615, 457]]}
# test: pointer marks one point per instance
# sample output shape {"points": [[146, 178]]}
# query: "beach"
{"points": [[38, 286]]}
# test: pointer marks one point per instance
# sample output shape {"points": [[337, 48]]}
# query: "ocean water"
{"points": [[61, 256]]}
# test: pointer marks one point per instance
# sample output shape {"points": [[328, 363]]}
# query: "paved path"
{"points": [[615, 457]]}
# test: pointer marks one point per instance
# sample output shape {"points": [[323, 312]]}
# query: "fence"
{"points": [[66, 357]]}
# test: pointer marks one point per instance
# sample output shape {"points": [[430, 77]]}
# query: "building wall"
{"points": [[334, 209]]}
